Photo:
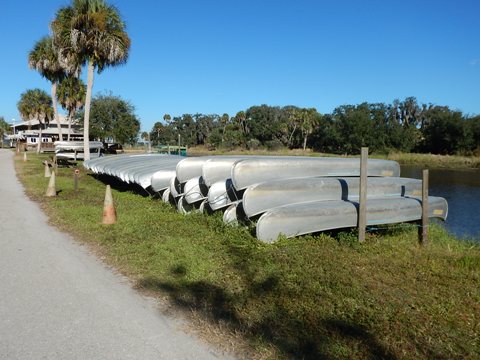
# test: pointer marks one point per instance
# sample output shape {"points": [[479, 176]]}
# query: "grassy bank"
{"points": [[305, 298], [436, 161], [423, 160]]}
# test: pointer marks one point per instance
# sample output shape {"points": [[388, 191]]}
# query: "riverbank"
{"points": [[436, 161], [424, 160], [310, 297]]}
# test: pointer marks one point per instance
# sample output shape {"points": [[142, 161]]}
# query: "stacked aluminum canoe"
{"points": [[284, 195], [151, 171]]}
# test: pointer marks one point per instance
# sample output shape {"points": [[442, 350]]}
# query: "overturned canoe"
{"points": [[190, 167], [230, 215], [128, 172], [176, 189], [210, 168], [166, 196], [248, 172], [310, 217], [160, 179], [183, 206], [222, 194], [268, 195], [143, 176], [139, 169], [217, 195], [96, 165], [195, 190], [220, 167]]}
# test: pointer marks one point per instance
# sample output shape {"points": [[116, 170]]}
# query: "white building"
{"points": [[27, 133]]}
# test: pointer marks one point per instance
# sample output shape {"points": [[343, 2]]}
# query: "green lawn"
{"points": [[305, 298]]}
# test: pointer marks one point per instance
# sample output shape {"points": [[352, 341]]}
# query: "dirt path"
{"points": [[59, 302]]}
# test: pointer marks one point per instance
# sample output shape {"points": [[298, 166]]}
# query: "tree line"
{"points": [[405, 126]]}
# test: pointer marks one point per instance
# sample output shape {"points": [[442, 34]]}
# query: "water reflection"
{"points": [[461, 188]]}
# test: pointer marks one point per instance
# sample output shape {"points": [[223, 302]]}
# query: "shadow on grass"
{"points": [[306, 336], [119, 185], [291, 335]]}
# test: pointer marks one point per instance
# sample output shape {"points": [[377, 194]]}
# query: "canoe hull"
{"points": [[268, 195], [310, 217], [253, 171]]}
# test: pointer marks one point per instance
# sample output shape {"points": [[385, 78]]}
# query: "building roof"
{"points": [[52, 131], [34, 122]]}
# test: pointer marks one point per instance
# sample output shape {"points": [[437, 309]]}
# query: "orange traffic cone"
{"points": [[47, 170], [51, 186], [109, 213], [25, 156]]}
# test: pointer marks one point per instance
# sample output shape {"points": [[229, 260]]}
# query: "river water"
{"points": [[461, 188]]}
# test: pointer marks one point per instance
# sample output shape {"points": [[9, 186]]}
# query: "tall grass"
{"points": [[306, 298], [424, 160]]}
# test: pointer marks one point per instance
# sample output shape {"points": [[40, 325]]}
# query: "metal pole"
{"points": [[423, 231], [362, 208], [178, 144]]}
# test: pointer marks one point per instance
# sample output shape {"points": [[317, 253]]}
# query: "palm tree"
{"points": [[224, 121], [3, 129], [94, 31], [309, 119], [71, 95], [43, 58], [36, 104], [293, 120]]}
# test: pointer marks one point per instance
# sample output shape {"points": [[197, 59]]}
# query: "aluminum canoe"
{"points": [[176, 189], [166, 196], [222, 194], [264, 196], [183, 206], [220, 167], [190, 167], [76, 145], [128, 173], [310, 217], [114, 165], [211, 168], [143, 176], [93, 163], [230, 214], [248, 172], [160, 179], [195, 190], [96, 165], [101, 164]]}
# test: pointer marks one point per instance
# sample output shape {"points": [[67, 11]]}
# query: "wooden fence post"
{"points": [[362, 200], [75, 179], [423, 230]]}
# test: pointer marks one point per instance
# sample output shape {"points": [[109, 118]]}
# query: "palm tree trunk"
{"points": [[305, 141], [70, 114], [39, 145], [55, 110], [291, 135], [86, 119]]}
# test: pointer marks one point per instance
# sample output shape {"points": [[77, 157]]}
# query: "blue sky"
{"points": [[224, 55]]}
